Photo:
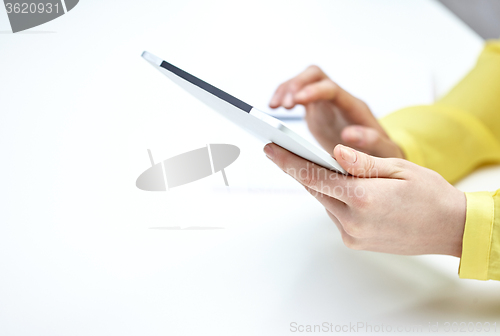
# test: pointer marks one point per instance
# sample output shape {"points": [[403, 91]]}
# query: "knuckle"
{"points": [[353, 228], [332, 88], [283, 86], [432, 176], [351, 242], [308, 176], [315, 68], [399, 163], [295, 85], [399, 166], [370, 163], [333, 218], [369, 168], [358, 228], [331, 84]]}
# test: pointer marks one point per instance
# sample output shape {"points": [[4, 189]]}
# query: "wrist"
{"points": [[457, 223]]}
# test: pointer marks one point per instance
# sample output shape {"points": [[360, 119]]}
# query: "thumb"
{"points": [[363, 165]]}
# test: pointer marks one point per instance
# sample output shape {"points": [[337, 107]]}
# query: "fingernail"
{"points": [[348, 154], [269, 151], [288, 101]]}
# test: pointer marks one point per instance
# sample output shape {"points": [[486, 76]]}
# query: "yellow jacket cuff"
{"points": [[476, 245]]}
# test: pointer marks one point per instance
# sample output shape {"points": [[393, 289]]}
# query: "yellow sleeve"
{"points": [[454, 136], [481, 243], [461, 131]]}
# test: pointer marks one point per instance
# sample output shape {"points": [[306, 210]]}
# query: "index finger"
{"points": [[312, 74], [313, 176]]}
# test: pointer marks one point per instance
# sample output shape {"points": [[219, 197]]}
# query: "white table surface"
{"points": [[79, 108]]}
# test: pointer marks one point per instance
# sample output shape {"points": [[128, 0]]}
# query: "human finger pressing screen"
{"points": [[384, 205], [333, 115]]}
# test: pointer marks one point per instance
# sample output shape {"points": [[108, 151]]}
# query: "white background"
{"points": [[79, 108]]}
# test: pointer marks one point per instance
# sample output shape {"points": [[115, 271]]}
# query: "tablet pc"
{"points": [[258, 123]]}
